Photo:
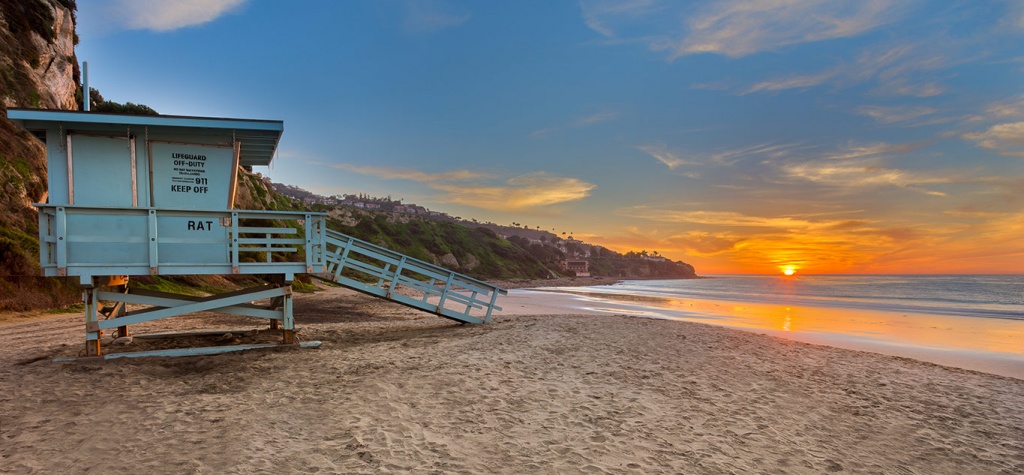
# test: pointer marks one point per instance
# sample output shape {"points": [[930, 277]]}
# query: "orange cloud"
{"points": [[750, 243], [532, 190], [525, 191]]}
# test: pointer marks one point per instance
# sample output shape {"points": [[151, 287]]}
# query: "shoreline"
{"points": [[975, 343]]}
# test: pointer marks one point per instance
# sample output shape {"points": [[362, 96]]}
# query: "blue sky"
{"points": [[739, 136]]}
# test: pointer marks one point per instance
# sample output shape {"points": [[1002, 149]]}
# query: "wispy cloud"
{"points": [[736, 28], [673, 159], [854, 167], [743, 27], [851, 174], [717, 218], [577, 123], [894, 114], [1014, 18], [792, 82], [466, 187], [428, 16], [598, 13], [707, 243], [664, 155], [854, 150], [1001, 110], [765, 150], [162, 15], [533, 190], [1006, 139], [898, 71]]}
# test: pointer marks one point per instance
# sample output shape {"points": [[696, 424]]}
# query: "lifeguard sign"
{"points": [[193, 176], [154, 195]]}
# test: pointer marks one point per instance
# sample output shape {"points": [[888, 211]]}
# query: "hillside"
{"points": [[414, 230]]}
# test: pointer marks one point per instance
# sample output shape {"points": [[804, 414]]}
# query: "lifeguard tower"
{"points": [[133, 195]]}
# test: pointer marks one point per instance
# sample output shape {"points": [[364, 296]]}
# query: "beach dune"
{"points": [[395, 390]]}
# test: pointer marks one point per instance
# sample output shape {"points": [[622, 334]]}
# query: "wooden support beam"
{"points": [[176, 352]]}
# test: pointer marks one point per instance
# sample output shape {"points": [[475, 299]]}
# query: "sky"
{"points": [[743, 136]]}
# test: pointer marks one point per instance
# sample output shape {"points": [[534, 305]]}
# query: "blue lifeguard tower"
{"points": [[133, 195]]}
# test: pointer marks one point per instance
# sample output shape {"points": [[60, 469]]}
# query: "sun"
{"points": [[789, 270]]}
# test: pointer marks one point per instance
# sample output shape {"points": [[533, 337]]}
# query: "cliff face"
{"points": [[38, 68], [56, 76]]}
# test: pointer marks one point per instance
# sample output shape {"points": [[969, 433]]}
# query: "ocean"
{"points": [[987, 296], [968, 321]]}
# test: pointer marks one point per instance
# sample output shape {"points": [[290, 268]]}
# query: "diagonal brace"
{"points": [[212, 302]]}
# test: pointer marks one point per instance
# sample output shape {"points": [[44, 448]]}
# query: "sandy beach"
{"points": [[395, 390]]}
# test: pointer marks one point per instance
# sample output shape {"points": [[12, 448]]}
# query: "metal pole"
{"points": [[85, 86]]}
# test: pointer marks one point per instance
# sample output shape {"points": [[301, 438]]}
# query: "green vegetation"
{"points": [[477, 252], [98, 104]]}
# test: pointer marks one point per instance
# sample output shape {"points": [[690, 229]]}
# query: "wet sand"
{"points": [[395, 390], [990, 345]]}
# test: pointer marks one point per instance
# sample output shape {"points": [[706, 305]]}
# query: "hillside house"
{"points": [[581, 267]]}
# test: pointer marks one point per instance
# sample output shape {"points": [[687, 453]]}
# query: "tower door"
{"points": [[102, 170]]}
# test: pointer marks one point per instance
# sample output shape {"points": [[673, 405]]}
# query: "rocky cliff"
{"points": [[37, 54], [38, 68]]}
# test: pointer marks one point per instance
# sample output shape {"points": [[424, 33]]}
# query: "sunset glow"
{"points": [[789, 270], [738, 136]]}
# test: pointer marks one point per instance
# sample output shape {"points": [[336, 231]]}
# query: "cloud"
{"points": [[429, 16], [708, 244], [674, 160], [894, 114], [792, 82], [715, 218], [1013, 19], [1006, 139], [743, 27], [1002, 110], [897, 70], [597, 13], [532, 190], [857, 174], [767, 150], [853, 150], [164, 15], [856, 166], [736, 28], [578, 123], [814, 243], [663, 155]]}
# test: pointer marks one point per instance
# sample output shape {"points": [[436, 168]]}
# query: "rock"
{"points": [[124, 340], [470, 262], [449, 261]]}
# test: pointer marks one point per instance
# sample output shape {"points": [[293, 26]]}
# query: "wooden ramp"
{"points": [[379, 271]]}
